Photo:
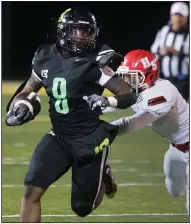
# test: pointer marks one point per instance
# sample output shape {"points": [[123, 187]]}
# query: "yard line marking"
{"points": [[8, 158], [69, 185], [116, 161], [140, 161], [152, 174], [19, 145], [124, 170], [23, 161], [17, 161], [107, 215], [139, 184]]}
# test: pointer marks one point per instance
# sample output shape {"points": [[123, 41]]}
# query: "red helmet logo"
{"points": [[140, 69]]}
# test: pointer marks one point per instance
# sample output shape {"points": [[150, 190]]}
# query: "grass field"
{"points": [[136, 159]]}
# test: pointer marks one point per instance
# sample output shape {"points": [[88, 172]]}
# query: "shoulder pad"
{"points": [[156, 102], [41, 51]]}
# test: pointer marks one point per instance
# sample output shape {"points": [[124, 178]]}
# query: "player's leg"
{"points": [[48, 163], [87, 186], [175, 164]]}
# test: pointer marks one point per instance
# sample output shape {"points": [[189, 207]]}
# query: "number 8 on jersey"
{"points": [[59, 92]]}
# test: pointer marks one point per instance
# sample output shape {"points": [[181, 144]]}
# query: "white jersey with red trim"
{"points": [[164, 97]]}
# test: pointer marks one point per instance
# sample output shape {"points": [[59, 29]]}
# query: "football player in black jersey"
{"points": [[70, 69]]}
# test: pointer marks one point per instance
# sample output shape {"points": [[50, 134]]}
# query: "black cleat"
{"points": [[110, 182]]}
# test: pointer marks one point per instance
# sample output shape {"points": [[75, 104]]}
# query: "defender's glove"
{"points": [[96, 101]]}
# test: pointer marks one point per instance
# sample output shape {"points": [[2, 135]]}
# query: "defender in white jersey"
{"points": [[161, 107]]}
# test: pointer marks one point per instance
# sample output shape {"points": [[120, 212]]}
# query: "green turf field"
{"points": [[136, 159]]}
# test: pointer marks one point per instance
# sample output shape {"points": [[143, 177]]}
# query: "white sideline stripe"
{"points": [[107, 215], [69, 185]]}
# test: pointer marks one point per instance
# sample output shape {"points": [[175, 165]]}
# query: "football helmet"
{"points": [[140, 69], [77, 30]]}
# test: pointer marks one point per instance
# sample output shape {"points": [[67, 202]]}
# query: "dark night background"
{"points": [[125, 26]]}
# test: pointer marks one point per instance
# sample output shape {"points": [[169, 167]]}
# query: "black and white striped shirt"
{"points": [[171, 65]]}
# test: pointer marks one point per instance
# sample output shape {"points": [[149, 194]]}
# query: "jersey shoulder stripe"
{"points": [[156, 101]]}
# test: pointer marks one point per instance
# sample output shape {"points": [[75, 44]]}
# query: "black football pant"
{"points": [[52, 158]]}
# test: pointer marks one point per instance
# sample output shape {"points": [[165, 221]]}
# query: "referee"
{"points": [[171, 45]]}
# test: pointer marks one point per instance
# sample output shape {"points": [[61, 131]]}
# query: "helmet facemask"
{"points": [[77, 38], [135, 78]]}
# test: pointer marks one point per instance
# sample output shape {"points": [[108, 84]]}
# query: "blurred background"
{"points": [[136, 159], [125, 26]]}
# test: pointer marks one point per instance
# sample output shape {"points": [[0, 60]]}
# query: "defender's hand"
{"points": [[96, 101]]}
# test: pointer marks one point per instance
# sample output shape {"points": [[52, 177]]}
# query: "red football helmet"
{"points": [[140, 69]]}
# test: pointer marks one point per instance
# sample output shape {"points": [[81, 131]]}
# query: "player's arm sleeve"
{"points": [[141, 119]]}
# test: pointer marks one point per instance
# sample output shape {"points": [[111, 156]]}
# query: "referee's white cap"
{"points": [[180, 8]]}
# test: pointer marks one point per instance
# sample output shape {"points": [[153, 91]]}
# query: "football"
{"points": [[29, 99]]}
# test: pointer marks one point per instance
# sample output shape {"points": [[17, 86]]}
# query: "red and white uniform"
{"points": [[162, 108], [167, 110]]}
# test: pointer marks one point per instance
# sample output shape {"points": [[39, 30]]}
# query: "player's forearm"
{"points": [[135, 122], [124, 97], [127, 125], [122, 123], [117, 85], [33, 84]]}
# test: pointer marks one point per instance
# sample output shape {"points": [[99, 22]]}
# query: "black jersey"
{"points": [[67, 79]]}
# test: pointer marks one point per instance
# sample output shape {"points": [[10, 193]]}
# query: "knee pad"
{"points": [[174, 187], [81, 210]]}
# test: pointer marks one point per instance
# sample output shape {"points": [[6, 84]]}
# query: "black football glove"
{"points": [[110, 58], [96, 101], [19, 115]]}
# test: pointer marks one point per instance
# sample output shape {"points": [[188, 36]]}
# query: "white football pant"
{"points": [[176, 169]]}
